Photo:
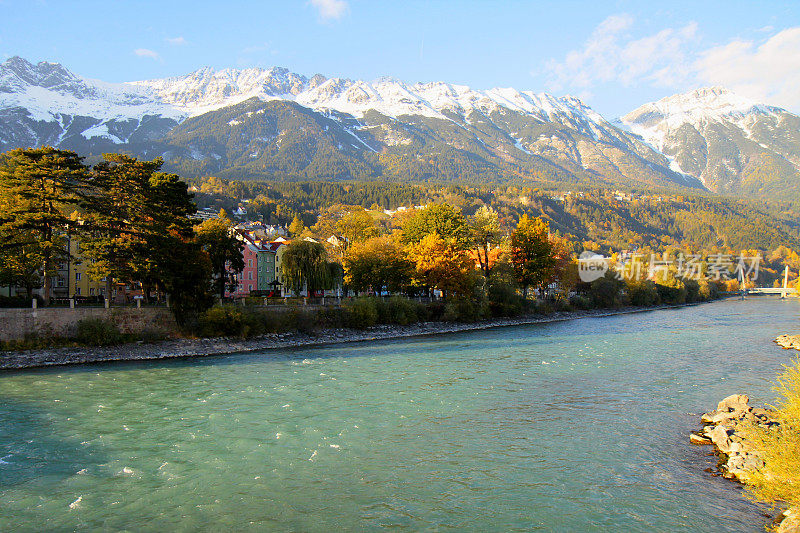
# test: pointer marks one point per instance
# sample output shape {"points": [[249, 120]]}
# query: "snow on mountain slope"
{"points": [[731, 143], [656, 121], [47, 91], [206, 89]]}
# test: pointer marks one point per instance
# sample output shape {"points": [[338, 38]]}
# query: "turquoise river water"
{"points": [[570, 426]]}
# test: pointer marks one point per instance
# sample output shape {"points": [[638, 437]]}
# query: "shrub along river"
{"points": [[571, 426]]}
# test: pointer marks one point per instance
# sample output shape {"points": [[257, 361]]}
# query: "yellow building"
{"points": [[79, 281]]}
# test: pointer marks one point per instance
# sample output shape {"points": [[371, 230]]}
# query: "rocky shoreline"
{"points": [[726, 429], [222, 346], [788, 341]]}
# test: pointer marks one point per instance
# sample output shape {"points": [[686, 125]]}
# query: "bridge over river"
{"points": [[782, 291]]}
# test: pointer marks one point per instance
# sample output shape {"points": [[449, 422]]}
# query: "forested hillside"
{"points": [[600, 219]]}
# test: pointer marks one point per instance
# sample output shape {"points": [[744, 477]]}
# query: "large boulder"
{"points": [[734, 403], [719, 436]]}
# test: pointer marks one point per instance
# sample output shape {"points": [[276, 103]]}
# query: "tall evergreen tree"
{"points": [[39, 188], [136, 217]]}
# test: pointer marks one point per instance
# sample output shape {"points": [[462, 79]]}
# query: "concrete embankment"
{"points": [[17, 324]]}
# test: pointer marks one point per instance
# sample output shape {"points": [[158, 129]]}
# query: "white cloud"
{"points": [[144, 52], [176, 41], [768, 72], [612, 55], [766, 69], [330, 9]]}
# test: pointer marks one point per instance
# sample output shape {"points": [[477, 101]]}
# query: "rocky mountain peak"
{"points": [[16, 73]]}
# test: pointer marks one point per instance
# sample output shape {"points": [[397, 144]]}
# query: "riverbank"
{"points": [[17, 360], [730, 428], [790, 342]]}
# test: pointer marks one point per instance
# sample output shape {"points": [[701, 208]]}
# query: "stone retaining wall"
{"points": [[63, 322]]}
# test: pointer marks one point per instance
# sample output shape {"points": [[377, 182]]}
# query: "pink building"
{"points": [[248, 278]]}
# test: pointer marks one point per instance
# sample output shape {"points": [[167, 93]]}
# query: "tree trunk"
{"points": [[485, 261], [108, 288], [48, 281]]}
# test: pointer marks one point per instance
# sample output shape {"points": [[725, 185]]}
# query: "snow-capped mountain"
{"points": [[206, 90], [425, 130], [732, 143]]}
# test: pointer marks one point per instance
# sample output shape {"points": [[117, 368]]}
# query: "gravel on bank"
{"points": [[16, 360]]}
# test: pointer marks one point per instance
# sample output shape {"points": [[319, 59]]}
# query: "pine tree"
{"points": [[39, 188], [137, 218]]}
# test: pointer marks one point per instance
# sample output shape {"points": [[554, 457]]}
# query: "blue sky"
{"points": [[615, 55]]}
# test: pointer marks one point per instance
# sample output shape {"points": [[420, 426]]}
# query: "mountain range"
{"points": [[275, 124]]}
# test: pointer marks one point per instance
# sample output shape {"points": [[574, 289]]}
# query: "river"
{"points": [[570, 426]]}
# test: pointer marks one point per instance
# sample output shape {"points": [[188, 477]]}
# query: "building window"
{"points": [[250, 275], [251, 286], [78, 291], [77, 277], [60, 281], [91, 292], [250, 262]]}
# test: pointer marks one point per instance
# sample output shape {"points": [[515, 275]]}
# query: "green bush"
{"points": [[223, 321], [607, 292], [562, 305], [643, 293], [300, 320], [362, 313], [692, 290], [463, 311], [707, 290], [580, 302], [504, 300], [399, 310], [332, 317], [151, 335], [672, 291], [544, 307], [98, 332]]}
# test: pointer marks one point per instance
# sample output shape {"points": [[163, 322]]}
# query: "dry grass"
{"points": [[780, 445]]}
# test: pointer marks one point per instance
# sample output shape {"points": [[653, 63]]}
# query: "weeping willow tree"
{"points": [[305, 263]]}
